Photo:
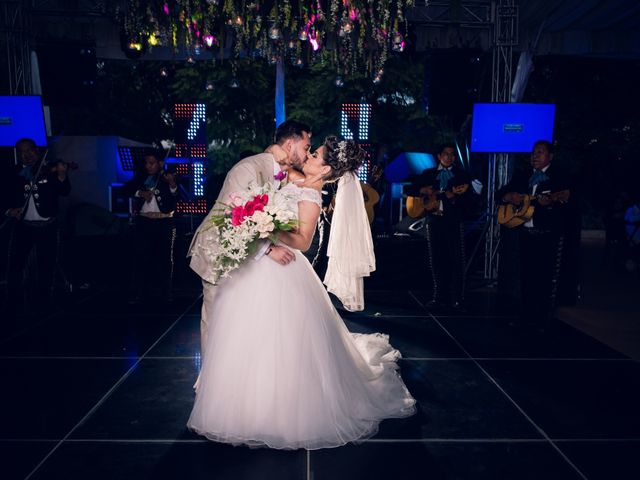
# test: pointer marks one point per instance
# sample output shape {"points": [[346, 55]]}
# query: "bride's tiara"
{"points": [[342, 151]]}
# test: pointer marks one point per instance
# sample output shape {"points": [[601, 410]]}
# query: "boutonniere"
{"points": [[281, 175]]}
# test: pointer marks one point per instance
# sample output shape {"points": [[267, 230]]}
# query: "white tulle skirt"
{"points": [[281, 369]]}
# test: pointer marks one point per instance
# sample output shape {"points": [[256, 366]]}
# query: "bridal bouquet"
{"points": [[250, 216]]}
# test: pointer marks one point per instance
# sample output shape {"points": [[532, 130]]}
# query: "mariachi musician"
{"points": [[544, 190], [443, 195], [32, 192], [155, 195]]}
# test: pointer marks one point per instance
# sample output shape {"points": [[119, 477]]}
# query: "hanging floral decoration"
{"points": [[351, 35]]}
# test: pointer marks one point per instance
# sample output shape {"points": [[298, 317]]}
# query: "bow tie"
{"points": [[537, 178], [281, 175], [444, 176], [27, 173], [151, 182]]}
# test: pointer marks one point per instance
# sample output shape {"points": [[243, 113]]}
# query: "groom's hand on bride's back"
{"points": [[280, 254]]}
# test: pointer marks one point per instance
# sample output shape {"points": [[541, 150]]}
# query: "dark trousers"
{"points": [[153, 256], [317, 253], [540, 260], [446, 258], [42, 238]]}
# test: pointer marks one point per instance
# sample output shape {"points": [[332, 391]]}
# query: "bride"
{"points": [[281, 369]]}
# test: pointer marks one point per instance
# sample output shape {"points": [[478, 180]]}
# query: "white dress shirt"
{"points": [[529, 224], [32, 215]]}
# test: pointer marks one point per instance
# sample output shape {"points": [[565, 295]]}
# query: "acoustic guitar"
{"points": [[428, 202], [371, 197], [511, 216]]}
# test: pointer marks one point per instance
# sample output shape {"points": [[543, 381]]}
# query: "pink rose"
{"points": [[238, 214], [254, 205], [249, 209]]}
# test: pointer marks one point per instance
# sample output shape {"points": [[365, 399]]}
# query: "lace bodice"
{"points": [[303, 194]]}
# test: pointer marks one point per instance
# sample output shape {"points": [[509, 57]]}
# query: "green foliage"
{"points": [[398, 116], [242, 119], [130, 99], [135, 101], [238, 119]]}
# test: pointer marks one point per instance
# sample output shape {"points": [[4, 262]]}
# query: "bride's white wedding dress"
{"points": [[281, 368]]}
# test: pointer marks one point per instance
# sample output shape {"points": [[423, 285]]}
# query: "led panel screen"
{"points": [[21, 117], [190, 130], [510, 127]]}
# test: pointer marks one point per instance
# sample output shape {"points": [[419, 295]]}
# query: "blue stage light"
{"points": [[131, 157]]}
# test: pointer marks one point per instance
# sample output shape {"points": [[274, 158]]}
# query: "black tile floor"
{"points": [[103, 390]]}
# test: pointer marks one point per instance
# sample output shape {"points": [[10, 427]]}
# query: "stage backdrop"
{"points": [[98, 166]]}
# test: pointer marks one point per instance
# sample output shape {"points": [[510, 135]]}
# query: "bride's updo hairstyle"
{"points": [[342, 156]]}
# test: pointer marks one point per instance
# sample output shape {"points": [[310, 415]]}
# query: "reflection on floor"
{"points": [[102, 390]]}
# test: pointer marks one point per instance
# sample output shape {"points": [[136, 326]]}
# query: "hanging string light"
{"points": [[353, 35]]}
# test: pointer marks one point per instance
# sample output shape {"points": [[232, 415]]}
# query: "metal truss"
{"points": [[80, 8], [500, 17], [464, 14], [15, 30], [505, 37]]}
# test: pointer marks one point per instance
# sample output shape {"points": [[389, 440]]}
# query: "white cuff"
{"points": [[262, 249]]}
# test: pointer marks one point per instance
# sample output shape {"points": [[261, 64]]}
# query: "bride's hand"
{"points": [[281, 254], [279, 155]]}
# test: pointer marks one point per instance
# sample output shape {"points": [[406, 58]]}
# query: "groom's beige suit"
{"points": [[255, 169]]}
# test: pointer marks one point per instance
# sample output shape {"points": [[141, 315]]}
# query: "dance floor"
{"points": [[102, 390]]}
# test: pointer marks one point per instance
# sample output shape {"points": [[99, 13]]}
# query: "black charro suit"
{"points": [[551, 217], [46, 190], [154, 237], [165, 198], [540, 244], [40, 196], [445, 236]]}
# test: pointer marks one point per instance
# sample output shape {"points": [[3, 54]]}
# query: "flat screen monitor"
{"points": [[510, 127], [21, 117]]}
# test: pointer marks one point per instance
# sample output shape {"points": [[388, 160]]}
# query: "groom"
{"points": [[294, 138]]}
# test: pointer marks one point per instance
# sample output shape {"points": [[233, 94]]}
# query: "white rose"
{"points": [[264, 223], [284, 216]]}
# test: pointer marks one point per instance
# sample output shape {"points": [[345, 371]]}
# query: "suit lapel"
{"points": [[264, 162]]}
